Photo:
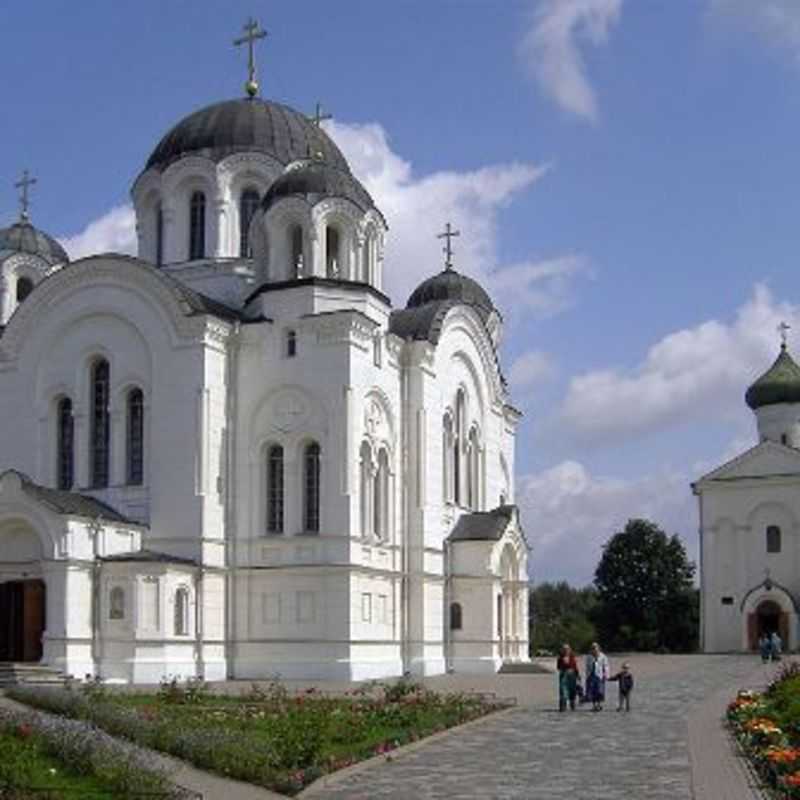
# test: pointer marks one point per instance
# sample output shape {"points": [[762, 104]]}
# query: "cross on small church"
{"points": [[24, 184], [252, 33], [319, 117], [783, 330], [448, 234]]}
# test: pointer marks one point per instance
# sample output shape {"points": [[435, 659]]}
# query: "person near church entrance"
{"points": [[597, 672], [775, 646], [568, 678], [765, 647], [624, 680]]}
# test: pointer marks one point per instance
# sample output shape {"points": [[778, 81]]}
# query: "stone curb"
{"points": [[331, 779]]}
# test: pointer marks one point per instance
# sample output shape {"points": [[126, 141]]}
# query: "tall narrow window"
{"points": [[182, 611], [456, 617], [332, 255], [24, 288], [116, 603], [296, 244], [159, 235], [291, 344], [248, 205], [275, 489], [100, 424], [367, 495], [65, 458], [473, 470], [311, 469], [447, 458], [135, 438], [381, 503], [197, 226], [458, 445], [773, 539]]}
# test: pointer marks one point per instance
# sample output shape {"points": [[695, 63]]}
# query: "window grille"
{"points": [[312, 488], [248, 205], [100, 424], [135, 437], [65, 458], [197, 226], [275, 489]]}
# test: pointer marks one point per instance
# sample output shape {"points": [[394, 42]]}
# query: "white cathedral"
{"points": [[230, 457]]}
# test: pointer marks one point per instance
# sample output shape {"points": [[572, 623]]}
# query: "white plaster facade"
{"points": [[750, 535], [290, 500]]}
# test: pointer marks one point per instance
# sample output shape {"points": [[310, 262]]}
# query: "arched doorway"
{"points": [[22, 593], [768, 618]]}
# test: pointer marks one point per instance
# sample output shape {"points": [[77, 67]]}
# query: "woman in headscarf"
{"points": [[568, 678]]}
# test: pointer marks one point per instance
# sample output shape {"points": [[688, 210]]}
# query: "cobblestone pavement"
{"points": [[535, 752]]}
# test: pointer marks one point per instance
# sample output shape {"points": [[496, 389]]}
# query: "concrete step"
{"points": [[15, 673], [524, 668]]}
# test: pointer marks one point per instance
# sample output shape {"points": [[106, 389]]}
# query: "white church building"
{"points": [[750, 525], [230, 456]]}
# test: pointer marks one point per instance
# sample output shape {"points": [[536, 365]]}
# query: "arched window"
{"points": [[381, 488], [182, 611], [100, 423], [116, 603], [248, 205], [311, 487], [456, 617], [24, 288], [473, 470], [367, 495], [333, 261], [447, 458], [197, 226], [275, 489], [773, 539], [65, 438], [296, 245], [159, 235], [458, 444], [134, 453], [291, 344]]}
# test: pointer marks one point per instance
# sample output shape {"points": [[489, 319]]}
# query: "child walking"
{"points": [[624, 679]]}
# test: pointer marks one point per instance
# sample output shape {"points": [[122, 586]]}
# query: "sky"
{"points": [[623, 174]]}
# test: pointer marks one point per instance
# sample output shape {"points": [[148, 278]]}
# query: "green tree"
{"points": [[646, 597], [560, 613]]}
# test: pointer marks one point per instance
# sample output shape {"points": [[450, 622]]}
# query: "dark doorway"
{"points": [[22, 620]]}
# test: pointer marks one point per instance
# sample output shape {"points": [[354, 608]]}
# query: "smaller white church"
{"points": [[231, 456], [750, 525]]}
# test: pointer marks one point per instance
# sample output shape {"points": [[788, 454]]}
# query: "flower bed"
{"points": [[51, 757], [767, 727], [270, 737]]}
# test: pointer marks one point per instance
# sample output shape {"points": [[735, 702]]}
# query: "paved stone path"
{"points": [[535, 752]]}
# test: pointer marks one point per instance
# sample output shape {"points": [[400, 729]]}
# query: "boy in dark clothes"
{"points": [[625, 680]]}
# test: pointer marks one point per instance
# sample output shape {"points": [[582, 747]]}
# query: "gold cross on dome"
{"points": [[24, 184], [783, 330], [319, 117], [448, 234], [252, 33]]}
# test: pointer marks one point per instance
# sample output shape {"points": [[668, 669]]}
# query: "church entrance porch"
{"points": [[767, 618], [22, 620]]}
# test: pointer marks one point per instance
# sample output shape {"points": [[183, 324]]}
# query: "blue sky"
{"points": [[623, 174]]}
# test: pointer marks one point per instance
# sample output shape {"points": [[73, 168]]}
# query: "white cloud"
{"points": [[531, 368], [568, 514], [695, 373], [777, 22], [551, 53], [114, 232]]}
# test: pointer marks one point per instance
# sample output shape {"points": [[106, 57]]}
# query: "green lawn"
{"points": [[25, 765], [269, 737]]}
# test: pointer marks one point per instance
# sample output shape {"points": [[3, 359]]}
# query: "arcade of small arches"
{"points": [[463, 456]]}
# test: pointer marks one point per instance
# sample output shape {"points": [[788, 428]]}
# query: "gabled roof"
{"points": [[68, 503], [483, 525], [767, 459]]}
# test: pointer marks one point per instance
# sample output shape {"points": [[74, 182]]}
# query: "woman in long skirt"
{"points": [[568, 678], [597, 672]]}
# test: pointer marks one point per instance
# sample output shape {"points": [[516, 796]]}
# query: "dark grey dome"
{"points": [[779, 384], [316, 180], [22, 237], [450, 285], [246, 124]]}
